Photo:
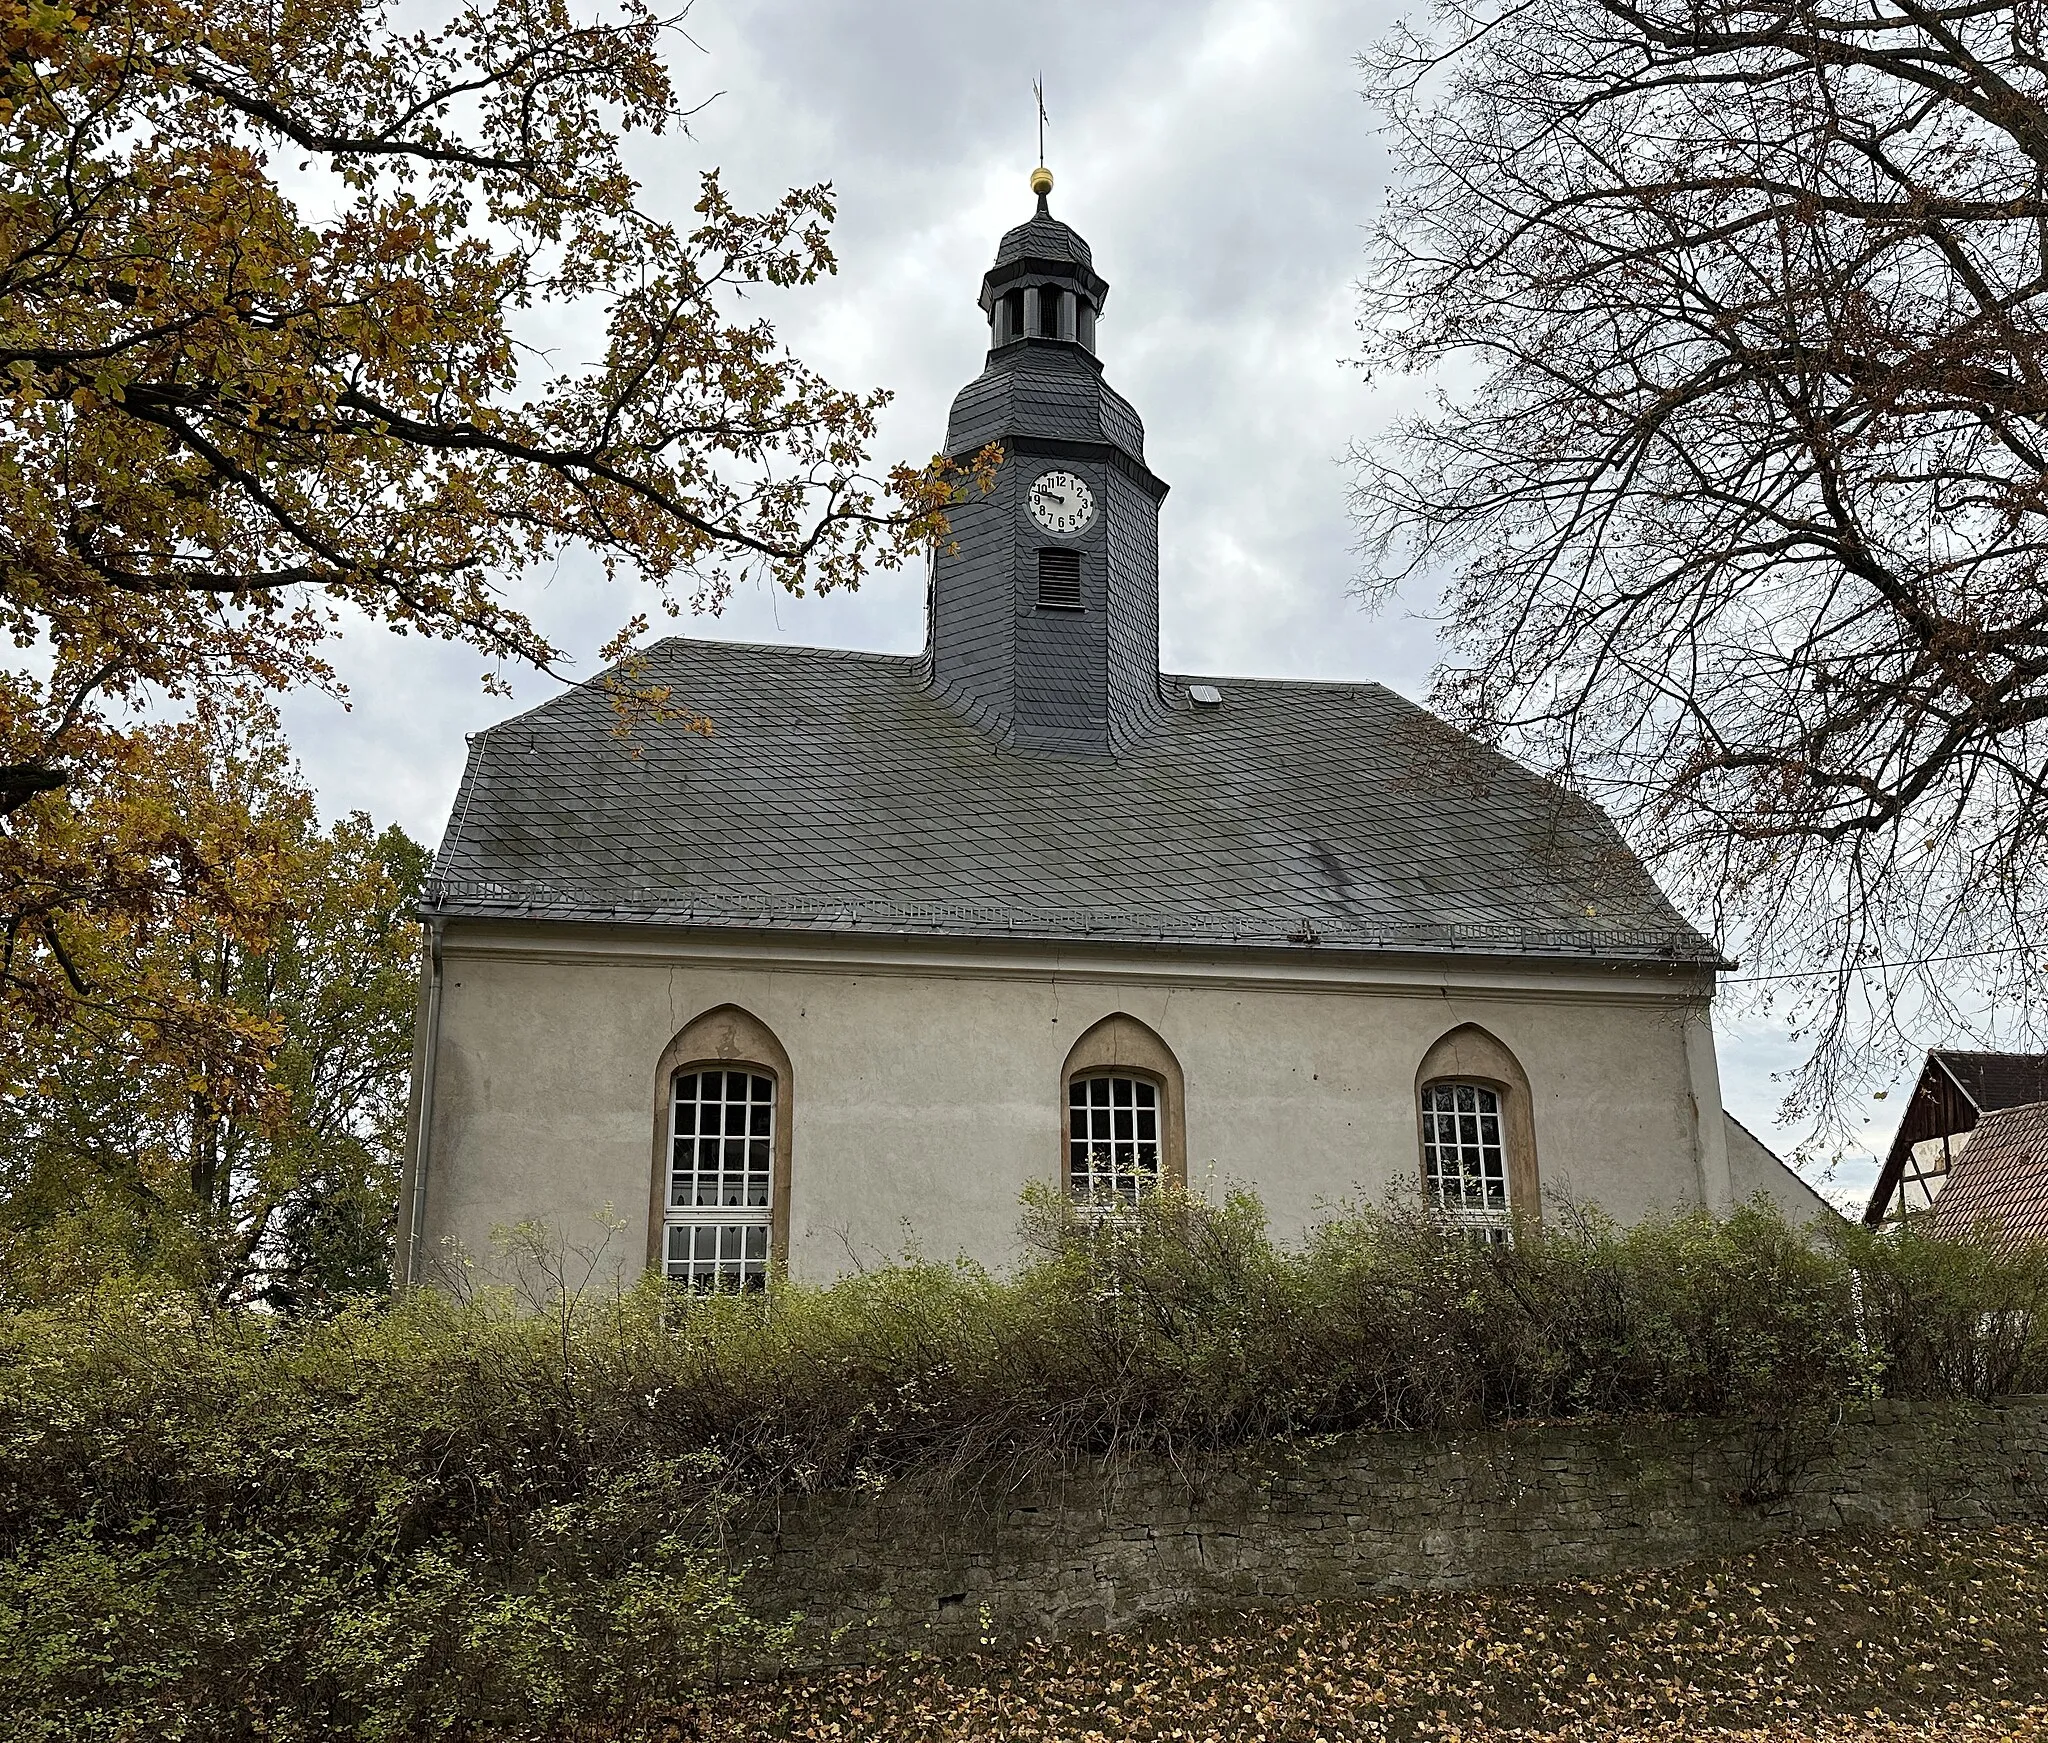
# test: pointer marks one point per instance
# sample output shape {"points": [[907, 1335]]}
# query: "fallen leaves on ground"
{"points": [[1939, 1637]]}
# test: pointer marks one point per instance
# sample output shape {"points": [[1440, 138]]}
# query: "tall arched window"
{"points": [[1478, 1133], [721, 1178], [1464, 1153], [1114, 1152], [722, 1151], [1124, 1130]]}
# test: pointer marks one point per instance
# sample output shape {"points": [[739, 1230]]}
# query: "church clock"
{"points": [[1062, 503]]}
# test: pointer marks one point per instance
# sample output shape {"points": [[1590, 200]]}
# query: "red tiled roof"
{"points": [[2002, 1174]]}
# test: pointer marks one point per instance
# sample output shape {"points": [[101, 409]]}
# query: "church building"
{"points": [[905, 934]]}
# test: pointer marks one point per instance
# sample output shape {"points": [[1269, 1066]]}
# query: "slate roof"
{"points": [[1044, 237], [838, 793], [1996, 1080], [2001, 1175], [1044, 245]]}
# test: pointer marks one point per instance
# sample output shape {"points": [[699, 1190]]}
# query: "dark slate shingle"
{"points": [[837, 792]]}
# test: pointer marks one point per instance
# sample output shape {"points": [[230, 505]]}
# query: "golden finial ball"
{"points": [[1041, 181]]}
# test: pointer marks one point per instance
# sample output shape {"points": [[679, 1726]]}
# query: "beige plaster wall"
{"points": [[1754, 1167], [927, 1088]]}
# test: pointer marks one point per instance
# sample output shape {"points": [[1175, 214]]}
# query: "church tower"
{"points": [[1043, 618]]}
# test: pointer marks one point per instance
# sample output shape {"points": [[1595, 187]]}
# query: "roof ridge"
{"points": [[1284, 683], [807, 648], [1983, 1053]]}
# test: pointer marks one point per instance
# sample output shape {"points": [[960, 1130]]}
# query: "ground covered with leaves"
{"points": [[1935, 1637]]}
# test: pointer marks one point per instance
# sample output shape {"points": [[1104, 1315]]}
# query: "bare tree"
{"points": [[1737, 466]]}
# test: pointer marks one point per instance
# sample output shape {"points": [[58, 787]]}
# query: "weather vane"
{"points": [[1041, 177]]}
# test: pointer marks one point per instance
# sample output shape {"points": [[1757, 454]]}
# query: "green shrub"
{"points": [[438, 1517], [1949, 1319]]}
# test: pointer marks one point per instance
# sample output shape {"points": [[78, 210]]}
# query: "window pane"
{"points": [[1464, 1156], [722, 1180], [1113, 1138]]}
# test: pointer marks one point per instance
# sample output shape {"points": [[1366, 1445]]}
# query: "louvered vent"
{"points": [[1059, 580]]}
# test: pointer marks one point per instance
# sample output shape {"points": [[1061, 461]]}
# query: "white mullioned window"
{"points": [[1112, 1139], [721, 1179], [1464, 1156]]}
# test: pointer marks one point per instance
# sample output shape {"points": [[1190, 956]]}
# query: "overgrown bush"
{"points": [[439, 1517]]}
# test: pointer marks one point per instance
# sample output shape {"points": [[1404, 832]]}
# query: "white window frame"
{"points": [[1465, 1155], [721, 1243], [1110, 1170]]}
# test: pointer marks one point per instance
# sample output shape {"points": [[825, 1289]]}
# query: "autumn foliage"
{"points": [[221, 1107], [272, 279]]}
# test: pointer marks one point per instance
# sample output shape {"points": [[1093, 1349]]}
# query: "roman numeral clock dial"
{"points": [[1061, 503]]}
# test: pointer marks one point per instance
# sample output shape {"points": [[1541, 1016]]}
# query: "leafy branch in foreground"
{"points": [[268, 273]]}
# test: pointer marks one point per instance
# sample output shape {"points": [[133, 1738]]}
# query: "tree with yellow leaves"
{"points": [[227, 1113], [262, 264]]}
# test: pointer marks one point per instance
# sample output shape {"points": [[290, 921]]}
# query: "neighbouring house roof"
{"points": [[1955, 1089], [2000, 1176], [836, 791], [1996, 1080]]}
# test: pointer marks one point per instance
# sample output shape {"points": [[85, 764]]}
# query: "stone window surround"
{"points": [[1469, 1054], [1119, 1043], [728, 1038], [725, 1038]]}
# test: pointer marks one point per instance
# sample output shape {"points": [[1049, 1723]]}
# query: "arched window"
{"points": [[1478, 1133], [1464, 1153], [1124, 1132], [722, 1149], [721, 1178], [1114, 1153]]}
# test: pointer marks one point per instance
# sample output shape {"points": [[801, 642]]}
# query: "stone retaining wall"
{"points": [[906, 1571]]}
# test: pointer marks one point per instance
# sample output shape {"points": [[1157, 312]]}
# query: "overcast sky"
{"points": [[1218, 159]]}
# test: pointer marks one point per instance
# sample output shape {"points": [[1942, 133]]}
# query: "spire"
{"points": [[1041, 177]]}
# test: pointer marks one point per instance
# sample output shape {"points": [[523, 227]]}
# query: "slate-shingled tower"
{"points": [[1034, 663]]}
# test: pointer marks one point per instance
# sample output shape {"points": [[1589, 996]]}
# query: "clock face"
{"points": [[1061, 503]]}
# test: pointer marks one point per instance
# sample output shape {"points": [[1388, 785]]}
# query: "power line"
{"points": [[1864, 967]]}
